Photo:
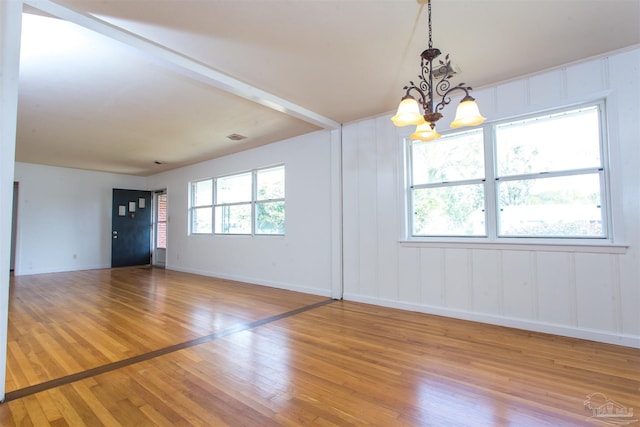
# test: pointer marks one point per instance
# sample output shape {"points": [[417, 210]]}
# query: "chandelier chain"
{"points": [[429, 15]]}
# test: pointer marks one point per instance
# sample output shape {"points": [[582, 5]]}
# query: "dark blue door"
{"points": [[131, 228]]}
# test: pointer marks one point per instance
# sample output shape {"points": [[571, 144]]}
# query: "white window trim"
{"points": [[608, 244], [253, 202], [543, 246], [191, 193]]}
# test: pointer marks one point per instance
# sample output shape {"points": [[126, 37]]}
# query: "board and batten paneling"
{"points": [[573, 291]]}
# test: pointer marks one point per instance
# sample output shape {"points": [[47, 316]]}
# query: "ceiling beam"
{"points": [[184, 65]]}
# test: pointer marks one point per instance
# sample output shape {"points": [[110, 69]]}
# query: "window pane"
{"points": [[566, 206], [161, 235], [201, 220], [563, 141], [162, 207], [234, 188], [202, 194], [270, 183], [234, 219], [449, 211], [450, 158], [270, 218]]}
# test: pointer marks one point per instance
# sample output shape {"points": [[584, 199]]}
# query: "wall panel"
{"points": [[511, 96], [409, 275], [387, 209], [367, 205], [596, 288], [556, 299], [457, 275], [433, 282], [518, 284], [351, 211], [593, 294], [629, 294], [546, 87], [586, 77], [487, 292]]}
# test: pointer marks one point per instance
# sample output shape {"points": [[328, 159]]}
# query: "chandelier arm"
{"points": [[446, 99], [422, 96]]}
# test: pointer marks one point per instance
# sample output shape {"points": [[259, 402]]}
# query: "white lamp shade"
{"points": [[467, 114], [408, 113], [425, 133]]}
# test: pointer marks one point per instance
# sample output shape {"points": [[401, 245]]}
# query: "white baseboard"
{"points": [[23, 272], [529, 325], [253, 281]]}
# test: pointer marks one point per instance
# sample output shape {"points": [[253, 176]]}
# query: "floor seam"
{"points": [[68, 379]]}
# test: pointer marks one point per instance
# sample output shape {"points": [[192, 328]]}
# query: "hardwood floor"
{"points": [[144, 347]]}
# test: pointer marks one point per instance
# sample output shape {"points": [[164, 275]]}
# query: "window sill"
{"points": [[590, 247]]}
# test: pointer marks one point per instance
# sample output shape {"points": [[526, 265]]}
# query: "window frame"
{"points": [[248, 203], [253, 202], [193, 207], [444, 184], [260, 201], [491, 182]]}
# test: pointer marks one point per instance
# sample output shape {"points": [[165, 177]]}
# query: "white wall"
{"points": [[302, 259], [568, 291], [10, 24], [64, 217]]}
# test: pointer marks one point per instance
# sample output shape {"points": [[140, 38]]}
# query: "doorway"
{"points": [[131, 228], [160, 218]]}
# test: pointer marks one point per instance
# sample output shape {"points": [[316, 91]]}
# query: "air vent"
{"points": [[440, 71], [236, 137]]}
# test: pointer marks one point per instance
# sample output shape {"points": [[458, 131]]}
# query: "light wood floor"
{"points": [[143, 347]]}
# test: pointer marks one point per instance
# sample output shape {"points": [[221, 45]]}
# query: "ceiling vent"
{"points": [[236, 137], [440, 70]]}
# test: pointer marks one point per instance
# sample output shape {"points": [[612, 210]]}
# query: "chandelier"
{"points": [[434, 83]]}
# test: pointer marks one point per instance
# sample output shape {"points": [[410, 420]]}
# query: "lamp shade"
{"points": [[424, 132], [408, 112], [467, 114]]}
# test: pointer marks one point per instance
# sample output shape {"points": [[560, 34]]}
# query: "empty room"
{"points": [[319, 212]]}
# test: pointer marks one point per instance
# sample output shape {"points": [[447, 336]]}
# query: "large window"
{"points": [[536, 177], [245, 203]]}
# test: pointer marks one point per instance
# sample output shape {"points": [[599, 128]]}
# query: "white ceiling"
{"points": [[183, 74]]}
